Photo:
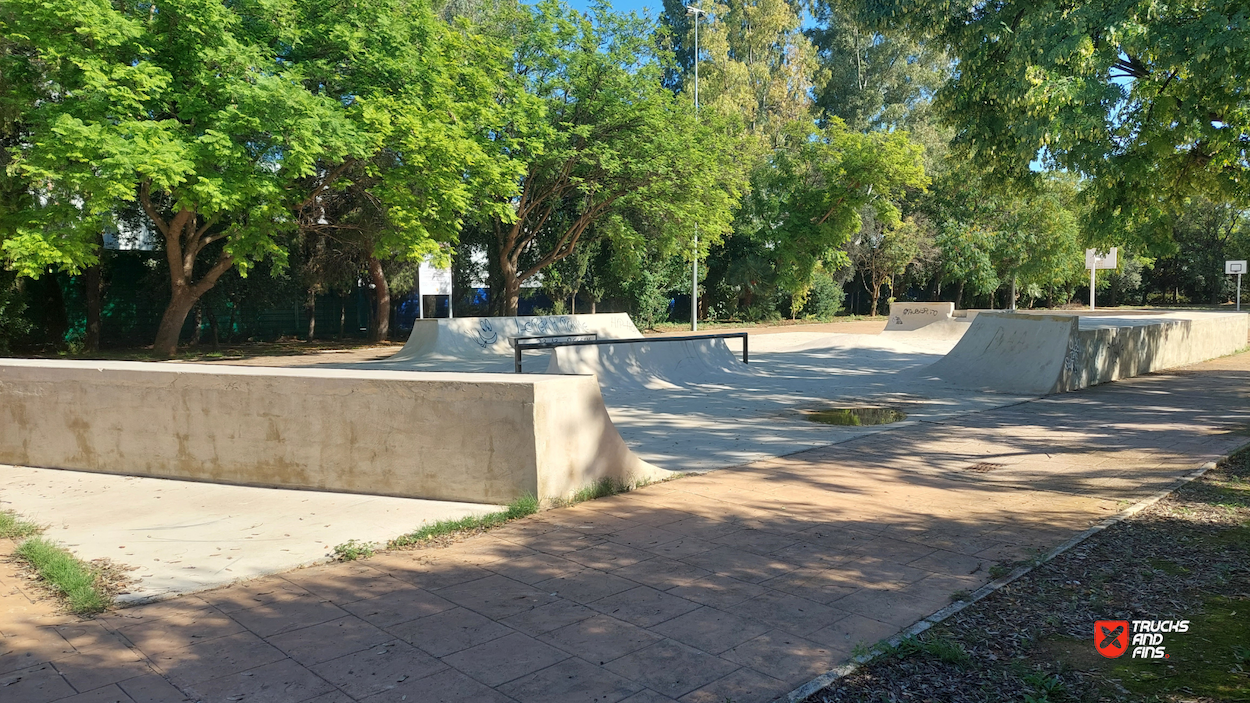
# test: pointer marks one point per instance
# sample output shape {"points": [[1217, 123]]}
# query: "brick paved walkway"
{"points": [[742, 584]]}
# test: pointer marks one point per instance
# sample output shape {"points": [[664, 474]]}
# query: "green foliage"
{"points": [[876, 77], [824, 298], [14, 527], [72, 578], [351, 550], [807, 203], [1145, 99], [942, 648], [519, 508], [599, 140]]}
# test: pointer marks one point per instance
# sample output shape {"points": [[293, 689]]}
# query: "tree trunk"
{"points": [[1012, 303], [95, 304], [185, 239], [876, 293], [510, 301], [171, 322], [312, 315], [342, 315], [382, 302], [959, 294], [592, 305]]}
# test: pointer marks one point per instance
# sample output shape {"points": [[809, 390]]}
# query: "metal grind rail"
{"points": [[520, 346]]}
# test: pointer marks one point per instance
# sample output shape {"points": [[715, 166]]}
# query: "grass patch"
{"points": [[939, 647], [519, 508], [75, 580], [351, 550], [13, 527]]}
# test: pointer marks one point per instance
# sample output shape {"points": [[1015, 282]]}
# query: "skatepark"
{"points": [[799, 540]]}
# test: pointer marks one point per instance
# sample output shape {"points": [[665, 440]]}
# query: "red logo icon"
{"points": [[1111, 637]]}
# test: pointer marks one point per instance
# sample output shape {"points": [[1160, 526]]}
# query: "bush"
{"points": [[825, 298]]}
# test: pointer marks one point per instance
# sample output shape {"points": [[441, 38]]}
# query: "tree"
{"points": [[184, 109], [596, 133], [875, 78], [1146, 99], [225, 122], [756, 66], [811, 199], [883, 249]]}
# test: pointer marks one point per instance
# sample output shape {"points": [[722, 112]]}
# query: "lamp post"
{"points": [[694, 270]]}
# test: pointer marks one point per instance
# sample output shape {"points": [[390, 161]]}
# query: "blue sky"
{"points": [[652, 7]]}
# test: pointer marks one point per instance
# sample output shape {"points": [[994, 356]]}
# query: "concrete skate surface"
{"points": [[183, 536]]}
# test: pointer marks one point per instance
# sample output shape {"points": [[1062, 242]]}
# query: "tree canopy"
{"points": [[1145, 99]]}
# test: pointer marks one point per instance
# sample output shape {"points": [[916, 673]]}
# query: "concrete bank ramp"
{"points": [[475, 337], [1039, 354], [652, 363], [481, 438]]}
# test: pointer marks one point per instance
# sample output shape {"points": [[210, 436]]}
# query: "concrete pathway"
{"points": [[183, 536], [742, 583]]}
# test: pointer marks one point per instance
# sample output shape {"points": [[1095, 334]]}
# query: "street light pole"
{"points": [[694, 270]]}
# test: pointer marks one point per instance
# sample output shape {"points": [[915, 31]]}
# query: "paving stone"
{"points": [[600, 639], [152, 689], [446, 686], [345, 585], [398, 606], [742, 685], [789, 658], [671, 668], [711, 630], [98, 666], [718, 591], [643, 606], [279, 682], [504, 659], [571, 681], [329, 640], [788, 612], [35, 684], [743, 566], [607, 556], [105, 694], [215, 658], [378, 669], [273, 618], [495, 596], [551, 616], [586, 586], [449, 631]]}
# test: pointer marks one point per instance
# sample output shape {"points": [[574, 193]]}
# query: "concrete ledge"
{"points": [[445, 436]]}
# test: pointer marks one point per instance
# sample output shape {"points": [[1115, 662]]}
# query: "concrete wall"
{"points": [[1104, 352], [468, 437], [1037, 354], [905, 317]]}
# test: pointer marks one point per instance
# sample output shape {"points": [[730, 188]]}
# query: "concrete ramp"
{"points": [[652, 363], [476, 337], [1010, 353], [1039, 354]]}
